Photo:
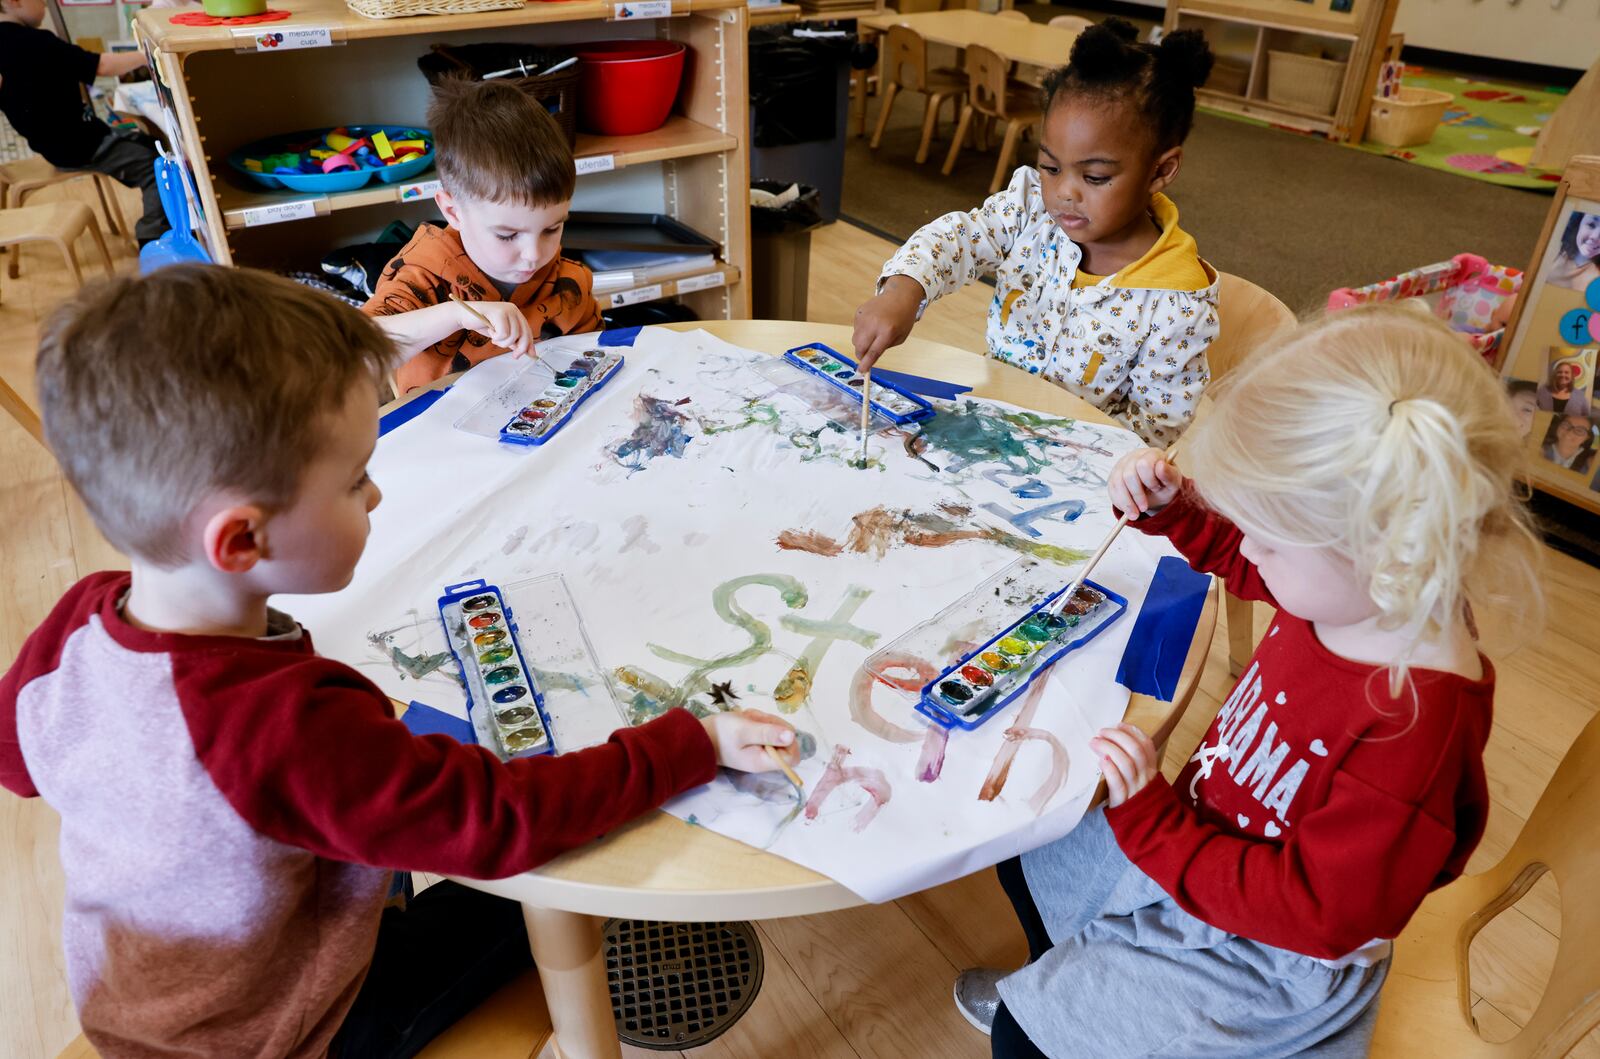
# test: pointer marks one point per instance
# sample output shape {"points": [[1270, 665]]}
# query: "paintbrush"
{"points": [[794, 777], [1083, 573], [459, 300], [866, 411]]}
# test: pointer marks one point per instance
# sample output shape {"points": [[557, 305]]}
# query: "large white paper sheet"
{"points": [[713, 533]]}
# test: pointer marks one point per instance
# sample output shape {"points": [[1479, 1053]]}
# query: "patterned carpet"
{"points": [[1487, 132]]}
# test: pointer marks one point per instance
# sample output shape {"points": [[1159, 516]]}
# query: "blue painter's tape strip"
{"points": [[944, 391], [1160, 640], [409, 411], [425, 720], [622, 336]]}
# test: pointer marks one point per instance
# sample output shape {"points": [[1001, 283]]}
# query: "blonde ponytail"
{"points": [[1378, 434]]}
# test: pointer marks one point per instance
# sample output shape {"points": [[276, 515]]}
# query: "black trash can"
{"points": [[780, 250], [800, 104]]}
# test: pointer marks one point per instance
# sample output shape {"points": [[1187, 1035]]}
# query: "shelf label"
{"points": [[642, 9], [424, 189], [596, 163], [635, 296], [279, 212], [710, 281], [269, 39]]}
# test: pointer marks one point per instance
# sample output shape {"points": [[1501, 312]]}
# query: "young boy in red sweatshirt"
{"points": [[232, 805]]}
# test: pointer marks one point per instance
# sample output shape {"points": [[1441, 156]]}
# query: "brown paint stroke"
{"points": [[866, 715], [1040, 798], [1001, 769], [809, 541]]}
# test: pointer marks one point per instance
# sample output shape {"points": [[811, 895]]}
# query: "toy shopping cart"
{"points": [[1471, 295]]}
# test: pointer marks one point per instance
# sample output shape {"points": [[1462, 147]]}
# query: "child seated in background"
{"points": [[508, 178], [232, 805], [1361, 477], [41, 94], [1096, 286]]}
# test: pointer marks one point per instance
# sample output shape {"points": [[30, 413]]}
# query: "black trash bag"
{"points": [[794, 83], [801, 215]]}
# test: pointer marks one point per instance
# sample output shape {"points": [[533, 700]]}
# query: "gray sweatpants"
{"points": [[130, 158], [1132, 974]]}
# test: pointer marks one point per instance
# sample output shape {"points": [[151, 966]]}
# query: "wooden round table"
{"points": [[658, 867]]}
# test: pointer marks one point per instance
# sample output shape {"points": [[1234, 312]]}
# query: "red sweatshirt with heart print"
{"points": [[1316, 813]]}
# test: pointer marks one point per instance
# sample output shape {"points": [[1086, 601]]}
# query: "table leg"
{"points": [[567, 949]]}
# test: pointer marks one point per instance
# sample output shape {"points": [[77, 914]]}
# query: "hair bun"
{"points": [[1185, 57], [1106, 51]]}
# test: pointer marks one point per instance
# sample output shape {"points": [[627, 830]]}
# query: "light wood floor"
{"points": [[869, 982]]}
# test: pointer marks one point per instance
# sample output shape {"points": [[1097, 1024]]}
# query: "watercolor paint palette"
{"points": [[535, 379], [937, 649], [889, 401], [503, 702], [545, 413], [976, 686]]}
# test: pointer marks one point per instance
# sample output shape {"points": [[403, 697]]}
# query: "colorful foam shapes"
{"points": [[380, 143]]}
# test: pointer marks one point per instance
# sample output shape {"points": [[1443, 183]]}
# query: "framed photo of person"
{"points": [[1549, 360]]}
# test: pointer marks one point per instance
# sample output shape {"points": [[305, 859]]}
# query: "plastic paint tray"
{"points": [[503, 702], [924, 657], [891, 402], [544, 414], [575, 700], [327, 183], [493, 415]]}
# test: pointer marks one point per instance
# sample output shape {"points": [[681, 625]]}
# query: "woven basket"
{"points": [[557, 92], [1407, 119], [1304, 81], [403, 8]]}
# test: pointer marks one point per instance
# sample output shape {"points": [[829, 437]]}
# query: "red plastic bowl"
{"points": [[627, 86]]}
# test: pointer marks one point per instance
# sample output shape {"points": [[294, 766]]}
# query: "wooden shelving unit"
{"points": [[1244, 33], [225, 93]]}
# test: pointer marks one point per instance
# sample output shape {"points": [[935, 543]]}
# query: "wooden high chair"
{"points": [[905, 66], [1426, 1005], [992, 94], [1247, 317]]}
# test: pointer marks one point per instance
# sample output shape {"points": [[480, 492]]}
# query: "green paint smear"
{"points": [[727, 608], [418, 666], [976, 434]]}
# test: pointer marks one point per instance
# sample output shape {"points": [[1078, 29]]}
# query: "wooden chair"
{"points": [[20, 179], [55, 222], [905, 66], [992, 94], [1247, 317], [511, 1024], [1029, 74], [13, 405], [1426, 1006], [1072, 22]]}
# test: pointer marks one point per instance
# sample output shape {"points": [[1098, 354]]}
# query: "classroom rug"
{"points": [[1487, 132]]}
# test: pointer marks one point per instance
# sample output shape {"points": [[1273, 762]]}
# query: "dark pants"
{"points": [[438, 958], [130, 158], [1007, 1039]]}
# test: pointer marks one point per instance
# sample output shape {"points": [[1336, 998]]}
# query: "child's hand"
{"points": [[1144, 481], [506, 327], [742, 736], [1128, 760], [884, 322]]}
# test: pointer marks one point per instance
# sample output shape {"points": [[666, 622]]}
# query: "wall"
{"points": [[1531, 32]]}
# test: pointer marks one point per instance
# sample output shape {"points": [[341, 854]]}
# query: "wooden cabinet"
{"points": [[226, 94]]}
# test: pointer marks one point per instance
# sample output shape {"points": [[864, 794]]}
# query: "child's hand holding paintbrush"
{"points": [[500, 322], [1142, 482], [753, 741]]}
